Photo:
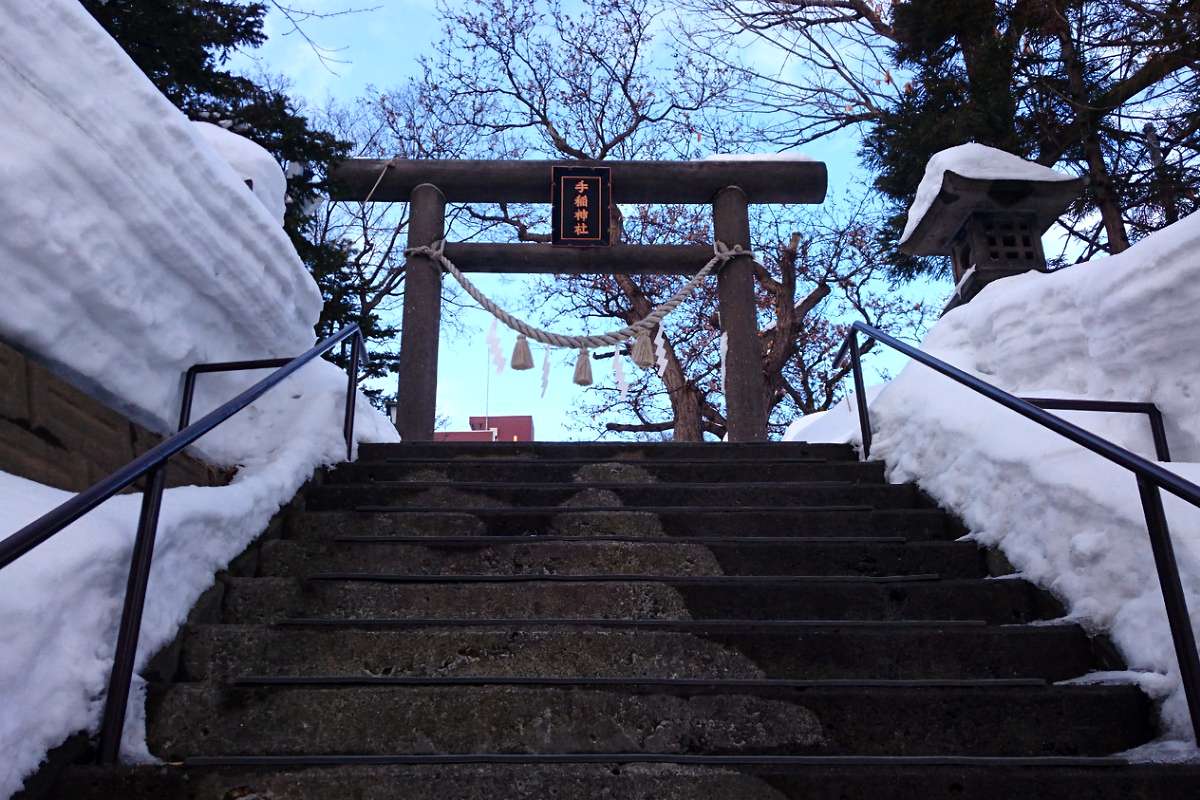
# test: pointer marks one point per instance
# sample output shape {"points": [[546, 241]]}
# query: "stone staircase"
{"points": [[630, 621]]}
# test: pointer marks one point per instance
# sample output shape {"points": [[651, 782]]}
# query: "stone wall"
{"points": [[53, 433]]}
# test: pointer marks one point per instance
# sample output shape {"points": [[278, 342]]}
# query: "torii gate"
{"points": [[731, 186]]}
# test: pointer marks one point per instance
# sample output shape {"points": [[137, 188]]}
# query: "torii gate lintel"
{"points": [[729, 185]]}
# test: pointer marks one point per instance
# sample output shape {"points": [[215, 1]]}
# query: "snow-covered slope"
{"points": [[1118, 328], [252, 163], [972, 161], [131, 250]]}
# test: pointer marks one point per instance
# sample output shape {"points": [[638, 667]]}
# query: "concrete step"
{"points": [[815, 779], [584, 471], [662, 556], [258, 600], [200, 720], [608, 495], [600, 451], [1052, 652], [910, 523]]}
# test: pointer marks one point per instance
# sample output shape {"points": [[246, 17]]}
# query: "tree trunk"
{"points": [[685, 398], [686, 405], [1089, 119]]}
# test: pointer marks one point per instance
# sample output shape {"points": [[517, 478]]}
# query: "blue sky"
{"points": [[380, 48]]}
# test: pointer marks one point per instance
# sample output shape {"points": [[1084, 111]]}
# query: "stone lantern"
{"points": [[991, 227]]}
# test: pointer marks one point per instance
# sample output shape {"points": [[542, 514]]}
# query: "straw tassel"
{"points": [[583, 368], [643, 351], [522, 357]]}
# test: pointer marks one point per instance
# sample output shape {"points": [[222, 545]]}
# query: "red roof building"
{"points": [[508, 429], [491, 429]]}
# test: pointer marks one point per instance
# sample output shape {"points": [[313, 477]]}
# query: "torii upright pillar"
{"points": [[745, 400], [417, 394]]}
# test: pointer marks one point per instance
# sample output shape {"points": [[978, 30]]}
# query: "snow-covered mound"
{"points": [[839, 424], [972, 161], [252, 163], [1114, 329], [131, 250]]}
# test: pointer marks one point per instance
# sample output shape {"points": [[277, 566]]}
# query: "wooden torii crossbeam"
{"points": [[730, 186]]}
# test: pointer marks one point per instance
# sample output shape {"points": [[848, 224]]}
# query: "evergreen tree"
{"points": [[963, 89], [1055, 81], [1105, 89], [183, 47]]}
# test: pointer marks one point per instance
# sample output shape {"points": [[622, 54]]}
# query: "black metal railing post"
{"points": [[113, 721], [351, 395], [864, 419], [189, 389], [1171, 584], [153, 464], [1158, 431]]}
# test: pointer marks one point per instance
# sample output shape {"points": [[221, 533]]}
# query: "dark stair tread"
{"points": [[923, 524], [665, 450], [710, 541], [562, 486], [515, 461], [465, 496], [636, 776], [663, 624], [265, 599], [670, 580], [795, 650], [1093, 762], [1054, 652], [556, 510], [194, 719], [585, 471], [616, 555], [610, 681]]}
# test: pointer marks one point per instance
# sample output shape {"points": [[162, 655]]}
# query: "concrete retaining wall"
{"points": [[53, 433]]}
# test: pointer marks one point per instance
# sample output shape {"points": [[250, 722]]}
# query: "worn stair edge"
{"points": [[916, 524], [1058, 652], [582, 472], [249, 600], [194, 720], [669, 580], [587, 682], [750, 495], [637, 776], [592, 450], [684, 625]]}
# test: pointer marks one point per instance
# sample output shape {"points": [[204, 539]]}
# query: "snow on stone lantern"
{"points": [[987, 210]]}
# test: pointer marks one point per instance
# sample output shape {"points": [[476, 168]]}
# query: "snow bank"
{"points": [[252, 163], [972, 161], [1068, 520], [839, 424], [60, 603], [131, 250]]}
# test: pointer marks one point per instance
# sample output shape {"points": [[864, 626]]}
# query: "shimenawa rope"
{"points": [[722, 254]]}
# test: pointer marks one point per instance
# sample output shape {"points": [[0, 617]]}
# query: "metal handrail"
{"points": [[153, 463], [1151, 478], [1158, 430]]}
